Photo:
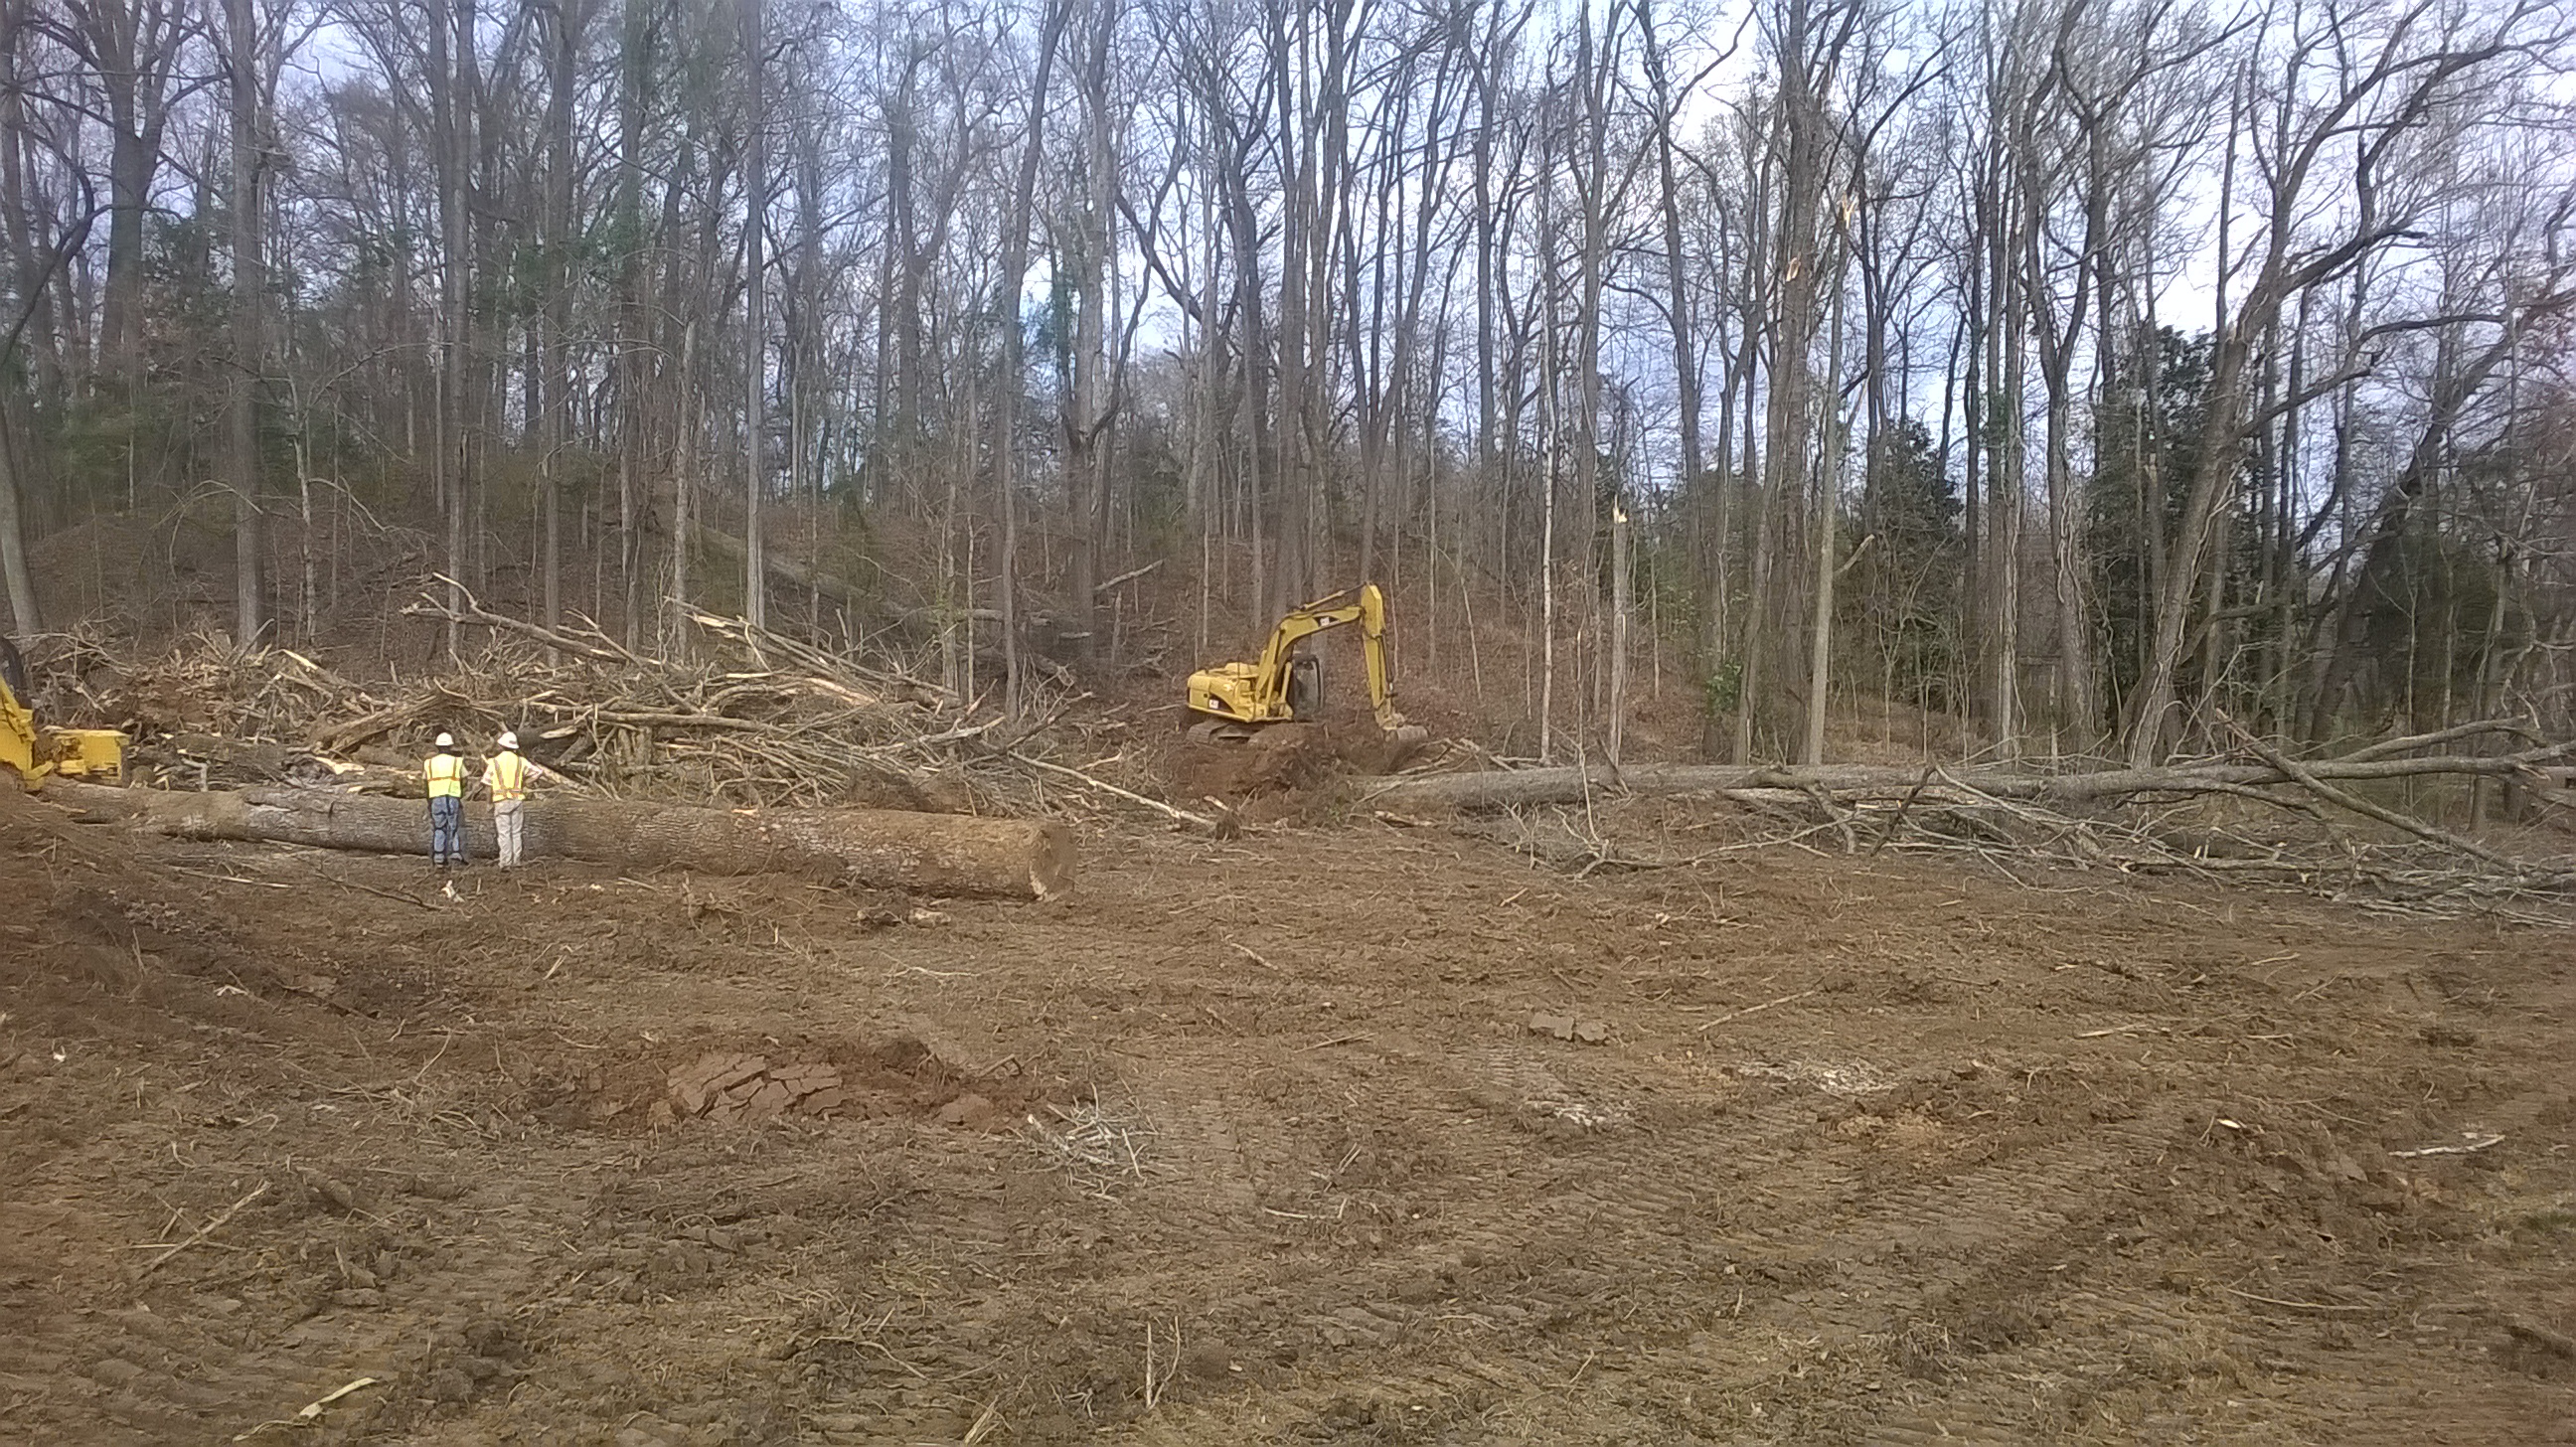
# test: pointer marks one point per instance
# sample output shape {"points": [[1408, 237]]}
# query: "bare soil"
{"points": [[1255, 1142]]}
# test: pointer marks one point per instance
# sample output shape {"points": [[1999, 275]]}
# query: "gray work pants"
{"points": [[510, 821]]}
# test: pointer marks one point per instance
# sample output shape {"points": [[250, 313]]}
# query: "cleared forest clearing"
{"points": [[1270, 1140]]}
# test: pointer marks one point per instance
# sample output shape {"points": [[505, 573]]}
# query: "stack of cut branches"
{"points": [[757, 719]]}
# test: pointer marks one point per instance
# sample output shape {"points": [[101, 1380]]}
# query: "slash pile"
{"points": [[755, 719]]}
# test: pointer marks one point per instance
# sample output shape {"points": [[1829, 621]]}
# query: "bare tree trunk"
{"points": [[249, 283], [1551, 428], [569, 19], [1006, 399], [13, 538], [684, 460], [1622, 605], [1807, 146], [451, 65], [1829, 463], [2002, 424], [1760, 301], [633, 329], [1488, 74], [755, 355], [1087, 407], [1593, 68]]}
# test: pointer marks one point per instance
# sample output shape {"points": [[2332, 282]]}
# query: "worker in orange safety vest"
{"points": [[444, 773], [508, 776]]}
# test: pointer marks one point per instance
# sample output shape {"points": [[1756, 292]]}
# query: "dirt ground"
{"points": [[1255, 1141]]}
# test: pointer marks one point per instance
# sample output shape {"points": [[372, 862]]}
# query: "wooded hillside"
{"points": [[2076, 368]]}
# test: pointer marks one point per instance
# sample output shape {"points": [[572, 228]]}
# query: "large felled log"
{"points": [[1509, 788], [885, 848]]}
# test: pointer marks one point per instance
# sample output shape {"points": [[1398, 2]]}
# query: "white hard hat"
{"points": [[446, 740], [509, 740]]}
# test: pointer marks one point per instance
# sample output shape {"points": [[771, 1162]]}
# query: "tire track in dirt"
{"points": [[1809, 1240], [436, 1334]]}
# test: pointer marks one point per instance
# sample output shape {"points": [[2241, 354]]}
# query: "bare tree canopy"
{"points": [[2077, 373]]}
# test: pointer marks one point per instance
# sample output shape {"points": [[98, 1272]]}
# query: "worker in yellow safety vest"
{"points": [[444, 773], [508, 776]]}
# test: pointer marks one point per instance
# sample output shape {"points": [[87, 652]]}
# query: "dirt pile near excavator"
{"points": [[1282, 758], [1291, 758], [92, 940], [67, 891]]}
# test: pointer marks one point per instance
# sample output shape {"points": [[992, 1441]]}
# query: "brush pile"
{"points": [[755, 719], [2327, 826]]}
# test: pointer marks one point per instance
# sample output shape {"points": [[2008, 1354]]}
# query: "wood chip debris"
{"points": [[1094, 1145]]}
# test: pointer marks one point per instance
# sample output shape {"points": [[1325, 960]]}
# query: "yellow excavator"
{"points": [[1284, 685], [36, 753]]}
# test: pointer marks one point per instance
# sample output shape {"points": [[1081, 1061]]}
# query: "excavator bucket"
{"points": [[97, 755]]}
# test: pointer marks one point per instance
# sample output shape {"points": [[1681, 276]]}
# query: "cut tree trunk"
{"points": [[1521, 787], [942, 854]]}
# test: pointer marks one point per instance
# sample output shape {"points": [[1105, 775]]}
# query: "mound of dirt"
{"points": [[1289, 758], [61, 883], [727, 1086], [100, 937]]}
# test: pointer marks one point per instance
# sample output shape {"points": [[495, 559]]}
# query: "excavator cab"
{"points": [[13, 670], [1306, 685]]}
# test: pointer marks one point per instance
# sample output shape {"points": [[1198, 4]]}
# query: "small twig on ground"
{"points": [[2471, 1146], [2294, 1305], [229, 878], [1328, 1044], [311, 1411], [1755, 1009], [1249, 953], [379, 893], [207, 1229]]}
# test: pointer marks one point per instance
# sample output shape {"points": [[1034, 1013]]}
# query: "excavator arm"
{"points": [[1381, 679]]}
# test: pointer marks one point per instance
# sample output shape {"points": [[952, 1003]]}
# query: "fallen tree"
{"points": [[2134, 820], [890, 849], [1517, 788]]}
